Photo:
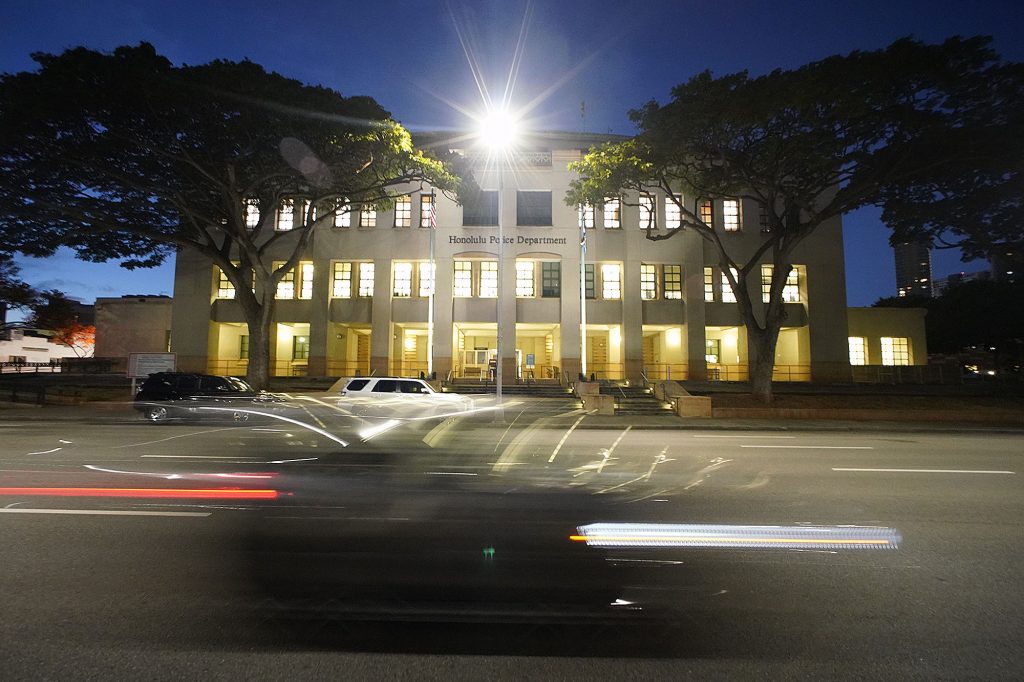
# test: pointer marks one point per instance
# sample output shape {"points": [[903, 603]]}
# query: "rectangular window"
{"points": [[712, 351], [286, 215], [672, 282], [648, 214], [252, 214], [858, 350], [341, 280], [762, 218], [709, 285], [612, 213], [673, 214], [286, 286], [728, 295], [243, 347], [403, 211], [525, 287], [706, 212], [300, 348], [367, 216], [488, 279], [611, 281], [426, 279], [731, 215], [428, 211], [791, 290], [481, 209], [343, 215], [402, 280], [551, 279], [590, 284], [533, 208], [462, 287], [585, 213], [895, 350], [648, 282], [366, 273], [225, 289], [306, 280]]}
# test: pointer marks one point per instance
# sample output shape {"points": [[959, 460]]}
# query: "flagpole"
{"points": [[583, 293], [433, 288]]}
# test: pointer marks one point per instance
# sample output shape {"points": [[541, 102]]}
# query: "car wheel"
{"points": [[240, 416], [157, 413]]}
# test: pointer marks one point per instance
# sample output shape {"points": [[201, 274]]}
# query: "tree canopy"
{"points": [[891, 127], [126, 156]]}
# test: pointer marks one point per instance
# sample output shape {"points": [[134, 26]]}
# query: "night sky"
{"points": [[408, 56]]}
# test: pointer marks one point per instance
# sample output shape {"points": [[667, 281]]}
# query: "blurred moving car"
{"points": [[170, 395], [397, 397]]}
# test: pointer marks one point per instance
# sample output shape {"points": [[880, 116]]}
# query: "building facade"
{"points": [[132, 324], [913, 269], [360, 300]]}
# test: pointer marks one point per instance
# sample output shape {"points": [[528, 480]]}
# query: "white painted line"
{"points": [[764, 437], [44, 452], [194, 457], [564, 438], [101, 512], [448, 473], [927, 471], [812, 447]]}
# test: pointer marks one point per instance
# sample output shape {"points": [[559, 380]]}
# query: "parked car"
{"points": [[170, 395]]}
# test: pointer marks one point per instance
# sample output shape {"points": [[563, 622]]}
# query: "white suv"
{"points": [[374, 387], [397, 398]]}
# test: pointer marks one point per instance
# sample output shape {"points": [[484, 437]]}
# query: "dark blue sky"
{"points": [[407, 55]]}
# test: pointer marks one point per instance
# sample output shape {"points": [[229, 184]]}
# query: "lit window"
{"points": [[366, 272], [252, 213], [648, 214], [463, 284], [225, 289], [367, 216], [611, 281], [731, 215], [709, 285], [712, 351], [612, 213], [858, 350], [403, 280], [243, 346], [673, 214], [525, 287], [791, 290], [590, 285], [286, 215], [585, 213], [308, 211], [728, 295], [488, 279], [300, 348], [403, 212], [895, 350], [428, 211], [286, 285], [672, 281], [341, 281], [706, 211], [426, 279], [306, 280], [550, 279], [343, 216], [648, 282]]}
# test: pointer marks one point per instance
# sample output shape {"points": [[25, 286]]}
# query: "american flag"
{"points": [[433, 211]]}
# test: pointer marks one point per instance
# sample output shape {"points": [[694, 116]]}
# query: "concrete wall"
{"points": [[874, 323], [132, 324]]}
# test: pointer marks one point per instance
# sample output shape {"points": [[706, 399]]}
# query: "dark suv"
{"points": [[167, 395]]}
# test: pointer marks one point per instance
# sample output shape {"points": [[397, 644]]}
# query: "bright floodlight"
{"points": [[498, 130]]}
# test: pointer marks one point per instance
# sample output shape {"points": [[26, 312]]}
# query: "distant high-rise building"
{"points": [[914, 269], [1007, 263]]}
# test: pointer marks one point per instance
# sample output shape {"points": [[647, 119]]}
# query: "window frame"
{"points": [[401, 274], [648, 210], [534, 213], [462, 279], [673, 212], [648, 281], [427, 202], [341, 279], [611, 286], [612, 213], [481, 219], [526, 279], [367, 216], [672, 282], [427, 279], [403, 211], [367, 272], [732, 215], [859, 353], [286, 208], [487, 267], [546, 269]]}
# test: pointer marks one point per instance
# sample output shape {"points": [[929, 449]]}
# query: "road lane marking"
{"points": [[101, 512], [812, 447], [181, 435], [44, 452], [926, 471], [195, 457]]}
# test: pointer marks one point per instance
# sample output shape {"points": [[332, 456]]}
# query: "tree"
{"points": [[125, 156], [807, 146], [14, 293], [54, 312]]}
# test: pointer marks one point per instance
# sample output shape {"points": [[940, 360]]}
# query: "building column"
{"points": [[318, 319], [507, 272], [569, 323], [444, 269], [191, 312], [632, 321], [694, 316], [380, 318]]}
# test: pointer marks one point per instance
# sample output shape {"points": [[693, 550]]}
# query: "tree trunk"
{"points": [[258, 318], [761, 352]]}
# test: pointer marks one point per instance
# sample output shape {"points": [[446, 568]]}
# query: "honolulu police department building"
{"points": [[359, 301]]}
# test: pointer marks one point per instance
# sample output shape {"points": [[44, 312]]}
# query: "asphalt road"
{"points": [[442, 550]]}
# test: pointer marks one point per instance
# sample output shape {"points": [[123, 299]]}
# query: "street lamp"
{"points": [[498, 131]]}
